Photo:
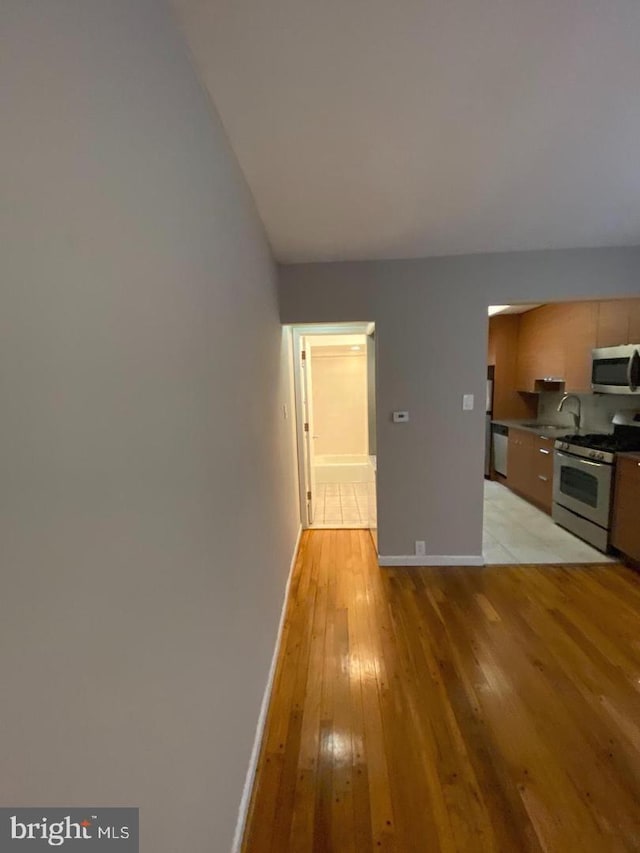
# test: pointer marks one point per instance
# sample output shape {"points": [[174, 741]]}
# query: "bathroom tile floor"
{"points": [[517, 532], [345, 505]]}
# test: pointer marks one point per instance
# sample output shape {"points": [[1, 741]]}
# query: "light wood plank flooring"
{"points": [[493, 709]]}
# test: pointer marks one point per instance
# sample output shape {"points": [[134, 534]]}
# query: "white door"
{"points": [[307, 408]]}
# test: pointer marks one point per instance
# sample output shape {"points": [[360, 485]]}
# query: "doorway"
{"points": [[336, 425], [547, 498]]}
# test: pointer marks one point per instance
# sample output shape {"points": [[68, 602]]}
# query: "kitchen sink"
{"points": [[546, 426]]}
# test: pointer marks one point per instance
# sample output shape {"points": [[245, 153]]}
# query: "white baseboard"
{"points": [[262, 717], [432, 560]]}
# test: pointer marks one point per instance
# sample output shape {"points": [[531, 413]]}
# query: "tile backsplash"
{"points": [[597, 409]]}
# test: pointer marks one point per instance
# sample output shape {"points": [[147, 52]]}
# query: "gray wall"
{"points": [[147, 498], [431, 331]]}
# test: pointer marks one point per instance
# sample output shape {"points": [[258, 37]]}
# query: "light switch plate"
{"points": [[467, 402], [400, 417]]}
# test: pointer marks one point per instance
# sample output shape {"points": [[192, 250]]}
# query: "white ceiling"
{"points": [[406, 128]]}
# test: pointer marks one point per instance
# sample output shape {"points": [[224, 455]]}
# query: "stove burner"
{"points": [[615, 443]]}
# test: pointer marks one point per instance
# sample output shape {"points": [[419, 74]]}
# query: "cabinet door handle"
{"points": [[543, 478], [542, 450]]}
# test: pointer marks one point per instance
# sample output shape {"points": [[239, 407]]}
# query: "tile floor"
{"points": [[517, 532], [345, 505], [514, 530]]}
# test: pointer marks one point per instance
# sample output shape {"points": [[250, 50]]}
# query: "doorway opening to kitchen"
{"points": [[334, 369], [563, 405]]}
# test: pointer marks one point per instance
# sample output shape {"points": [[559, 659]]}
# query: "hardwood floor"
{"points": [[492, 709]]}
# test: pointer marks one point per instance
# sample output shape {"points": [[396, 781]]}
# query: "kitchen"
{"points": [[563, 432]]}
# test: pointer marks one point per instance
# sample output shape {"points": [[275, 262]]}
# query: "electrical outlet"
{"points": [[421, 548], [467, 402]]}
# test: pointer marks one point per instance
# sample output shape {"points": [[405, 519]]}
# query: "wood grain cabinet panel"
{"points": [[541, 347], [503, 355], [625, 531], [527, 353], [530, 467], [634, 321], [556, 340], [542, 472], [519, 469], [578, 322], [613, 322]]}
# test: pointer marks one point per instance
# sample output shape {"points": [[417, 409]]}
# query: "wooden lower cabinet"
{"points": [[530, 467], [542, 467], [625, 530], [519, 475]]}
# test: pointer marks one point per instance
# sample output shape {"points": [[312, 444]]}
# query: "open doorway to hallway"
{"points": [[335, 404]]}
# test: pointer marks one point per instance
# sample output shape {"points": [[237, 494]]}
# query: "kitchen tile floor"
{"points": [[517, 532], [345, 505]]}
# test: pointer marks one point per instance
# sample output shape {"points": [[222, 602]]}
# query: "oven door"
{"points": [[582, 486]]}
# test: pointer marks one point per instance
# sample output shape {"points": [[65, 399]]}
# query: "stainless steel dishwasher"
{"points": [[500, 435]]}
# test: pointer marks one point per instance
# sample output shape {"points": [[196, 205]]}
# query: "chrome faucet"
{"points": [[576, 417]]}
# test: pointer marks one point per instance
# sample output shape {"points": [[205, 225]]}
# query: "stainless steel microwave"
{"points": [[616, 370]]}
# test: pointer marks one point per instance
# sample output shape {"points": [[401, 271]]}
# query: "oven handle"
{"points": [[579, 459]]}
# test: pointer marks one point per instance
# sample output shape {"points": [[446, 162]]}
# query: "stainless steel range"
{"points": [[583, 481]]}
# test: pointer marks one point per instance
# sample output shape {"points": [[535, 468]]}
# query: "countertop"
{"points": [[546, 431]]}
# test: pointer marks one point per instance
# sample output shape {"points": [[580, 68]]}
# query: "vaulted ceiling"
{"points": [[406, 128]]}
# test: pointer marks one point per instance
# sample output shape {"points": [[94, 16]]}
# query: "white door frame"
{"points": [[303, 437]]}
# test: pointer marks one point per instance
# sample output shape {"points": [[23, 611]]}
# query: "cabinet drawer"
{"points": [[543, 457], [543, 493], [521, 437], [542, 471], [531, 467]]}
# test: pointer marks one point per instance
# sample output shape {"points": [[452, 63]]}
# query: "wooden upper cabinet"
{"points": [[541, 347], [527, 354], [556, 340], [579, 325], [634, 321], [503, 354], [492, 345], [613, 322]]}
